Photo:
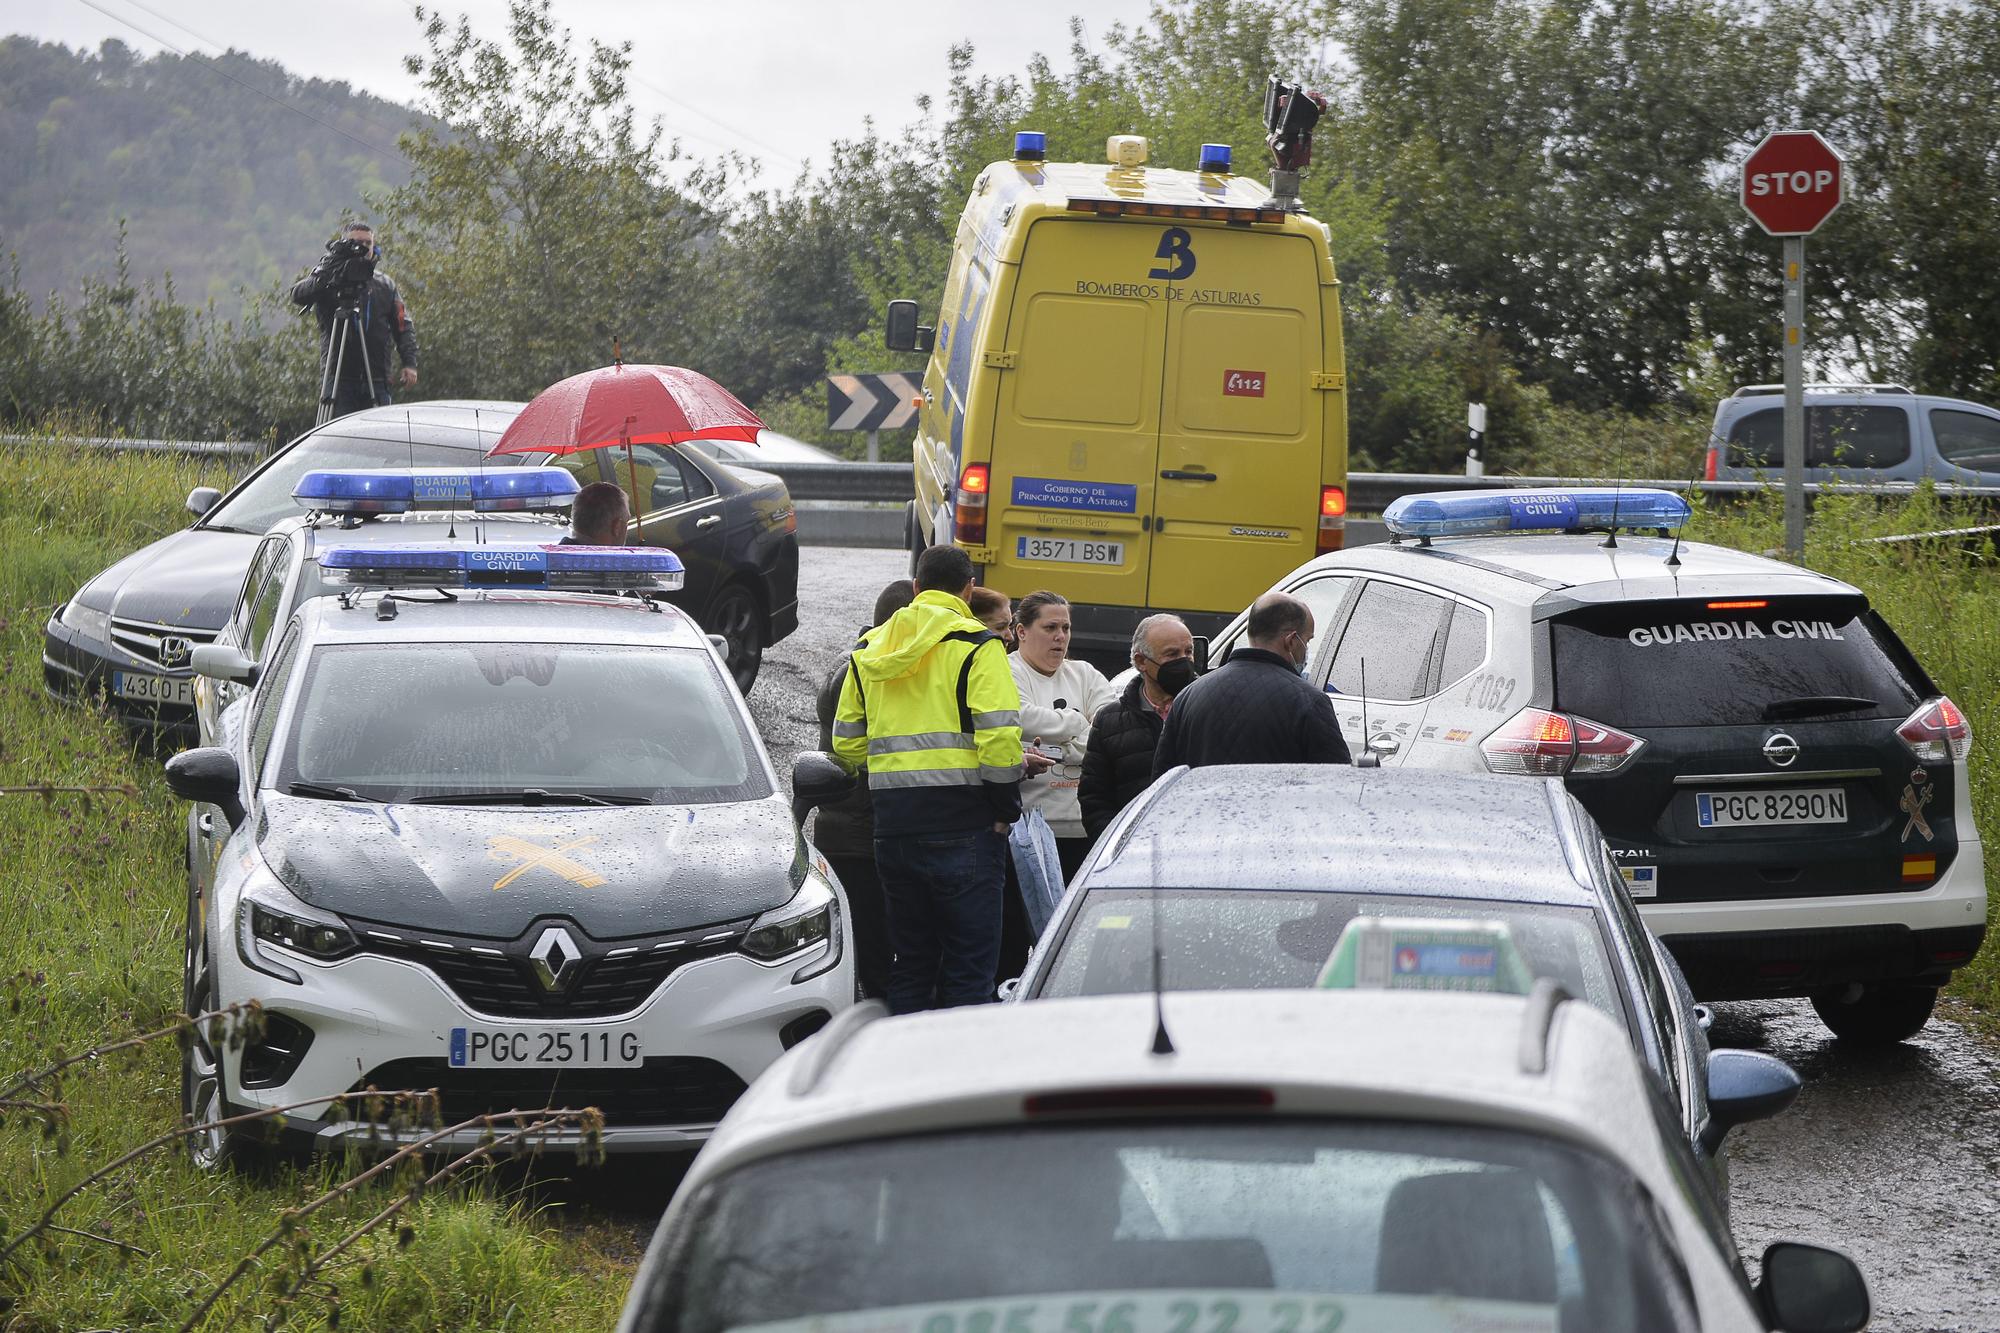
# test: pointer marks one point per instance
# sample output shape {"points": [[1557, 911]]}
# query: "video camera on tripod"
{"points": [[348, 266]]}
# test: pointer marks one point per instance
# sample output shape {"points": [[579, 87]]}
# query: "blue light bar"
{"points": [[449, 565], [399, 490], [1215, 157], [1471, 513], [1030, 145]]}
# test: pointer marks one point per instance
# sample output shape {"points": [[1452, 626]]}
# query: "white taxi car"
{"points": [[1264, 1161]]}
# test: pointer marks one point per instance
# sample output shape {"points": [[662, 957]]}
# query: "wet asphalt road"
{"points": [[1892, 1156]]}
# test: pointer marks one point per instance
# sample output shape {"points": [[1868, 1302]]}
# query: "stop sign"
{"points": [[1792, 182]]}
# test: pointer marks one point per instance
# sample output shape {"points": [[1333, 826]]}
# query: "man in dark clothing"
{"points": [[844, 832], [337, 283], [599, 516], [1119, 763], [1256, 708]]}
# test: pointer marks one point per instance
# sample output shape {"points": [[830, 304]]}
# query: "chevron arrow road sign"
{"points": [[871, 402]]}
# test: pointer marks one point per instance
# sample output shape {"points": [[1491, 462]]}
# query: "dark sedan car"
{"points": [[128, 634], [1290, 876]]}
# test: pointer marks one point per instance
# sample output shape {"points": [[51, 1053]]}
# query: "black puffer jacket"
{"points": [[1119, 763], [1253, 709]]}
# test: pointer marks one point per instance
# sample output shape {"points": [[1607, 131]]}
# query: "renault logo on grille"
{"points": [[1781, 750], [555, 957], [175, 650]]}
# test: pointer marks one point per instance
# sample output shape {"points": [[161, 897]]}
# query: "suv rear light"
{"points": [[968, 517], [1332, 519], [1539, 743], [1937, 732]]}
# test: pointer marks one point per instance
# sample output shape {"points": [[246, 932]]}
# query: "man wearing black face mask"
{"points": [[1119, 763], [1257, 708]]}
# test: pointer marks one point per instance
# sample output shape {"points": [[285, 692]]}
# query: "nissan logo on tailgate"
{"points": [[1781, 750]]}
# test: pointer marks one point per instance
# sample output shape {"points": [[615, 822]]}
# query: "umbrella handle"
{"points": [[632, 469]]}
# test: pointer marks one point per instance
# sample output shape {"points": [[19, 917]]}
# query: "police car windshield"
{"points": [[519, 723], [1236, 939], [1285, 1224], [266, 498], [1736, 662]]}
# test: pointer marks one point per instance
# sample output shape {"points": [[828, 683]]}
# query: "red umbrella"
{"points": [[628, 405]]}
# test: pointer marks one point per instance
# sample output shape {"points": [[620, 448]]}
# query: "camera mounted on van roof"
{"points": [[1290, 112]]}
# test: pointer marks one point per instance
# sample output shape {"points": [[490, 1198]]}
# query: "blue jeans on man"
{"points": [[944, 893]]}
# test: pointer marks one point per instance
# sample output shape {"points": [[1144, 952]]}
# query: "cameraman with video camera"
{"points": [[360, 315]]}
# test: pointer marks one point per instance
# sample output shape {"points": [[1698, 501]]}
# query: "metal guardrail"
{"points": [[892, 483], [201, 448]]}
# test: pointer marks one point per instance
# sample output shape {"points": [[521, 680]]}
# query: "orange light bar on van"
{"points": [[1111, 208], [1738, 606]]}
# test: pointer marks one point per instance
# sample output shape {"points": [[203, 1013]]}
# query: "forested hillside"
{"points": [[221, 187]]}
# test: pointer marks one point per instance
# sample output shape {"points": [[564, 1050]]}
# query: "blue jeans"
{"points": [[944, 893]]}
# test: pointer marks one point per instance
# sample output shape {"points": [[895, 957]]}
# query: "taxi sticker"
{"points": [[1641, 881], [1114, 922]]}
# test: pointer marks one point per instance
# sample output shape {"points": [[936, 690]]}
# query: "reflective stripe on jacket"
{"points": [[930, 709]]}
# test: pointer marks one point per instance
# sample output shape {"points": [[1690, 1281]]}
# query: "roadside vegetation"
{"points": [[92, 897]]}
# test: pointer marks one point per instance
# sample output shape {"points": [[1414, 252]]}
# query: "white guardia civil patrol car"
{"points": [[1782, 784], [489, 828], [1253, 1161]]}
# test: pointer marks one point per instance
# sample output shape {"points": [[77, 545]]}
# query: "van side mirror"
{"points": [[1200, 653], [1744, 1086], [208, 776], [1811, 1289], [901, 335], [817, 779], [224, 661], [202, 499]]}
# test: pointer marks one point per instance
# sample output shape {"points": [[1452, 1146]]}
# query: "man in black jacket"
{"points": [[1256, 708], [346, 279], [1119, 763]]}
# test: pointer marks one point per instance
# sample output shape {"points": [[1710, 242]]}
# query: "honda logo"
{"points": [[175, 650], [1781, 750], [555, 957]]}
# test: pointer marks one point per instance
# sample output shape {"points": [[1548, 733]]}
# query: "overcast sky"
{"points": [[815, 70]]}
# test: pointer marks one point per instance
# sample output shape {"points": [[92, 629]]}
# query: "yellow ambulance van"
{"points": [[1135, 394]]}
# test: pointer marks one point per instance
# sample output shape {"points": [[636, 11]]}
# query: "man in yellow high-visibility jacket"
{"points": [[929, 707]]}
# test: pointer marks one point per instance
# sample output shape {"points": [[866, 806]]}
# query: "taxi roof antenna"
{"points": [[1368, 758], [1610, 541], [1162, 1043], [1674, 556]]}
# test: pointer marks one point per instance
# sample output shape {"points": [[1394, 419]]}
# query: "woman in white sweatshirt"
{"points": [[1059, 697]]}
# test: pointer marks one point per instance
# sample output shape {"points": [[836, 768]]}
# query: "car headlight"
{"points": [[271, 919], [811, 920], [87, 621]]}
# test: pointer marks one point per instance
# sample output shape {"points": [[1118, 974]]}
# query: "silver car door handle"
{"points": [[710, 521], [1384, 743]]}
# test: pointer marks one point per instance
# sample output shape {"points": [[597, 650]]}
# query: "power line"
{"points": [[726, 126], [386, 153]]}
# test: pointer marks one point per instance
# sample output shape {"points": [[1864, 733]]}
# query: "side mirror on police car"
{"points": [[208, 776], [1744, 1086], [817, 779], [1811, 1289], [224, 661], [202, 499], [901, 335]]}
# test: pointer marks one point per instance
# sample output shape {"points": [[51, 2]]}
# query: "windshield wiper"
{"points": [[530, 796], [1813, 705], [323, 793]]}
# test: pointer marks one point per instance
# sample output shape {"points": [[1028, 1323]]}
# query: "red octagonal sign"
{"points": [[1792, 182]]}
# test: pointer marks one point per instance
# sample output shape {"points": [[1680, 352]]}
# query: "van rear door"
{"points": [[1242, 429], [1077, 432]]}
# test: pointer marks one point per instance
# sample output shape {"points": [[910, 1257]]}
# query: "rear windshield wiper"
{"points": [[1812, 705], [322, 793], [530, 796]]}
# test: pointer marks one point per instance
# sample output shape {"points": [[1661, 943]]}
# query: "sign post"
{"points": [[1792, 183], [1475, 431]]}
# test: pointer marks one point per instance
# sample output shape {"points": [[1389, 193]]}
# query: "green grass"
{"points": [[1943, 598], [92, 896]]}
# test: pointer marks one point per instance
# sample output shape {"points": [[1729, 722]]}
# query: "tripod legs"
{"points": [[346, 324]]}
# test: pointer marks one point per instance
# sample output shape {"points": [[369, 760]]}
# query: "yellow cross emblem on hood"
{"points": [[528, 855]]}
